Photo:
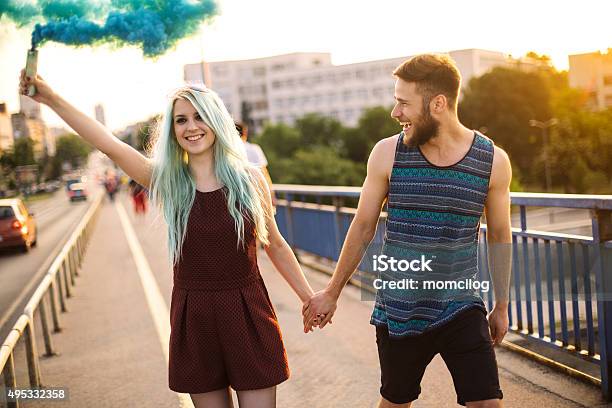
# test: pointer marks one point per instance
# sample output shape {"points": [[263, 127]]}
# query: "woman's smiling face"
{"points": [[192, 134]]}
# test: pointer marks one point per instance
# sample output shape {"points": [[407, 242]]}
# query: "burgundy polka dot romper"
{"points": [[224, 331]]}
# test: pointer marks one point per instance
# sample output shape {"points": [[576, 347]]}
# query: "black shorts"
{"points": [[466, 347]]}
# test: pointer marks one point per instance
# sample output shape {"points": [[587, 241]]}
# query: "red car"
{"points": [[17, 225]]}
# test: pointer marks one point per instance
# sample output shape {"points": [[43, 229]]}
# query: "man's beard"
{"points": [[424, 129]]}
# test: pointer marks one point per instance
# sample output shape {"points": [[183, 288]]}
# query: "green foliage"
{"points": [[320, 150], [503, 101], [72, 149], [23, 152]]}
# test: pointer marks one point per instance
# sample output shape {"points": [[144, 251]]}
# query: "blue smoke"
{"points": [[154, 25]]}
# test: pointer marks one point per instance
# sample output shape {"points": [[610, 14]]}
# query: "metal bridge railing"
{"points": [[561, 284], [55, 286]]}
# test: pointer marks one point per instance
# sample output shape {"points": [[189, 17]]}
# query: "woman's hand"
{"points": [[44, 94]]}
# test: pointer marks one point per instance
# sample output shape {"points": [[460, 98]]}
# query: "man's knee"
{"points": [[388, 404], [491, 403]]}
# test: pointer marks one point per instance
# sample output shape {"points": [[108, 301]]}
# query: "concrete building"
{"points": [[29, 107], [6, 129], [593, 73], [282, 88], [35, 129], [100, 116]]}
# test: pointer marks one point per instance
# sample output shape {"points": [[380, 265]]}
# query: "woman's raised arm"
{"points": [[136, 165]]}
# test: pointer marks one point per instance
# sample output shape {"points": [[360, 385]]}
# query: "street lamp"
{"points": [[544, 126]]}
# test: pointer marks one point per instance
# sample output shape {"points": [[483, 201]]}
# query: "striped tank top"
{"points": [[433, 218]]}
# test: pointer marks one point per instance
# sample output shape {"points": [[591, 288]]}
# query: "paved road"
{"points": [[113, 350], [20, 272]]}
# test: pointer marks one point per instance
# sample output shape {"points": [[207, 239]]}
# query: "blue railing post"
{"points": [[289, 212], [337, 227], [602, 231]]}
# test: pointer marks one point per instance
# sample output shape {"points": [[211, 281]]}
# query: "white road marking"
{"points": [[155, 300]]}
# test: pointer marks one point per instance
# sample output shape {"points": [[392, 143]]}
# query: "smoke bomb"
{"points": [[31, 68]]}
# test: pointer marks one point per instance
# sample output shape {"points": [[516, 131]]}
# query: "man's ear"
{"points": [[438, 103]]}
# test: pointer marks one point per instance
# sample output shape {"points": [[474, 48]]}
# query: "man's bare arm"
{"points": [[361, 230], [499, 241]]}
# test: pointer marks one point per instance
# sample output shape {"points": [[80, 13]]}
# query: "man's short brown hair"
{"points": [[434, 74]]}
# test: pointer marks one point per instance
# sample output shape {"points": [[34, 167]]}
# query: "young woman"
{"points": [[224, 331]]}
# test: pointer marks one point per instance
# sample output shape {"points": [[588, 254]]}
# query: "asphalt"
{"points": [[112, 350]]}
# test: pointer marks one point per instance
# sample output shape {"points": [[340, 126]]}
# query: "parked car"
{"points": [[17, 225], [77, 191]]}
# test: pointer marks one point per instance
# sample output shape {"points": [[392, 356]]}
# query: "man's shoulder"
{"points": [[385, 146], [383, 155]]}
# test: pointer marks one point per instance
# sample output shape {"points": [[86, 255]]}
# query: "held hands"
{"points": [[44, 93], [318, 311]]}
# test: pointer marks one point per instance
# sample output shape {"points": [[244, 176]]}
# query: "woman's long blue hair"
{"points": [[173, 186]]}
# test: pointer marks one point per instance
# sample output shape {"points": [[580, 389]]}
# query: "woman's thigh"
{"points": [[214, 399], [262, 398]]}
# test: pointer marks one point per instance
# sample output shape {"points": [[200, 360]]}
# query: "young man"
{"points": [[438, 177]]}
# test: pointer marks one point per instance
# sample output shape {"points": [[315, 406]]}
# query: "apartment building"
{"points": [[593, 73], [280, 89], [6, 129]]}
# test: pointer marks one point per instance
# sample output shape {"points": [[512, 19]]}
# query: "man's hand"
{"points": [[319, 310], [498, 323]]}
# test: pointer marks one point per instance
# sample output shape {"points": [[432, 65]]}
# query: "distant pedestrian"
{"points": [[255, 155], [111, 184], [139, 197]]}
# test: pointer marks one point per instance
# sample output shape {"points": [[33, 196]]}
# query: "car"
{"points": [[17, 225], [77, 191]]}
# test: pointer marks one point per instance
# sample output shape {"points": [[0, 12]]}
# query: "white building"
{"points": [[593, 73], [285, 87], [6, 129], [100, 116], [29, 107]]}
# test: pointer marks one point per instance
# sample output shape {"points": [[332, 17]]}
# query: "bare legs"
{"points": [[263, 398]]}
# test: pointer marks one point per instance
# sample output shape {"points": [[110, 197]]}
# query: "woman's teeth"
{"points": [[194, 138]]}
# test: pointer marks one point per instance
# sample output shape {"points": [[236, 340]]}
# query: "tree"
{"points": [[504, 101], [23, 152], [319, 165], [72, 149], [279, 140], [318, 130], [374, 124]]}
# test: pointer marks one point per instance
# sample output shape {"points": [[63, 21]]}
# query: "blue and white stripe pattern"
{"points": [[433, 211]]}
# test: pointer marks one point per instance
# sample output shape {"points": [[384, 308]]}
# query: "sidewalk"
{"points": [[112, 355]]}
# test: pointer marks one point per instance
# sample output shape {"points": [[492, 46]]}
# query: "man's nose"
{"points": [[395, 113]]}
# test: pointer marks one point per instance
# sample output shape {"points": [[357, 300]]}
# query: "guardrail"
{"points": [[556, 278], [57, 285]]}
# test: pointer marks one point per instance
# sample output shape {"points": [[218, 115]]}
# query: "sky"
{"points": [[132, 88]]}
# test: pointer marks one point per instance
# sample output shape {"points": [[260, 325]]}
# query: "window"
{"points": [[259, 71], [347, 95], [6, 212]]}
